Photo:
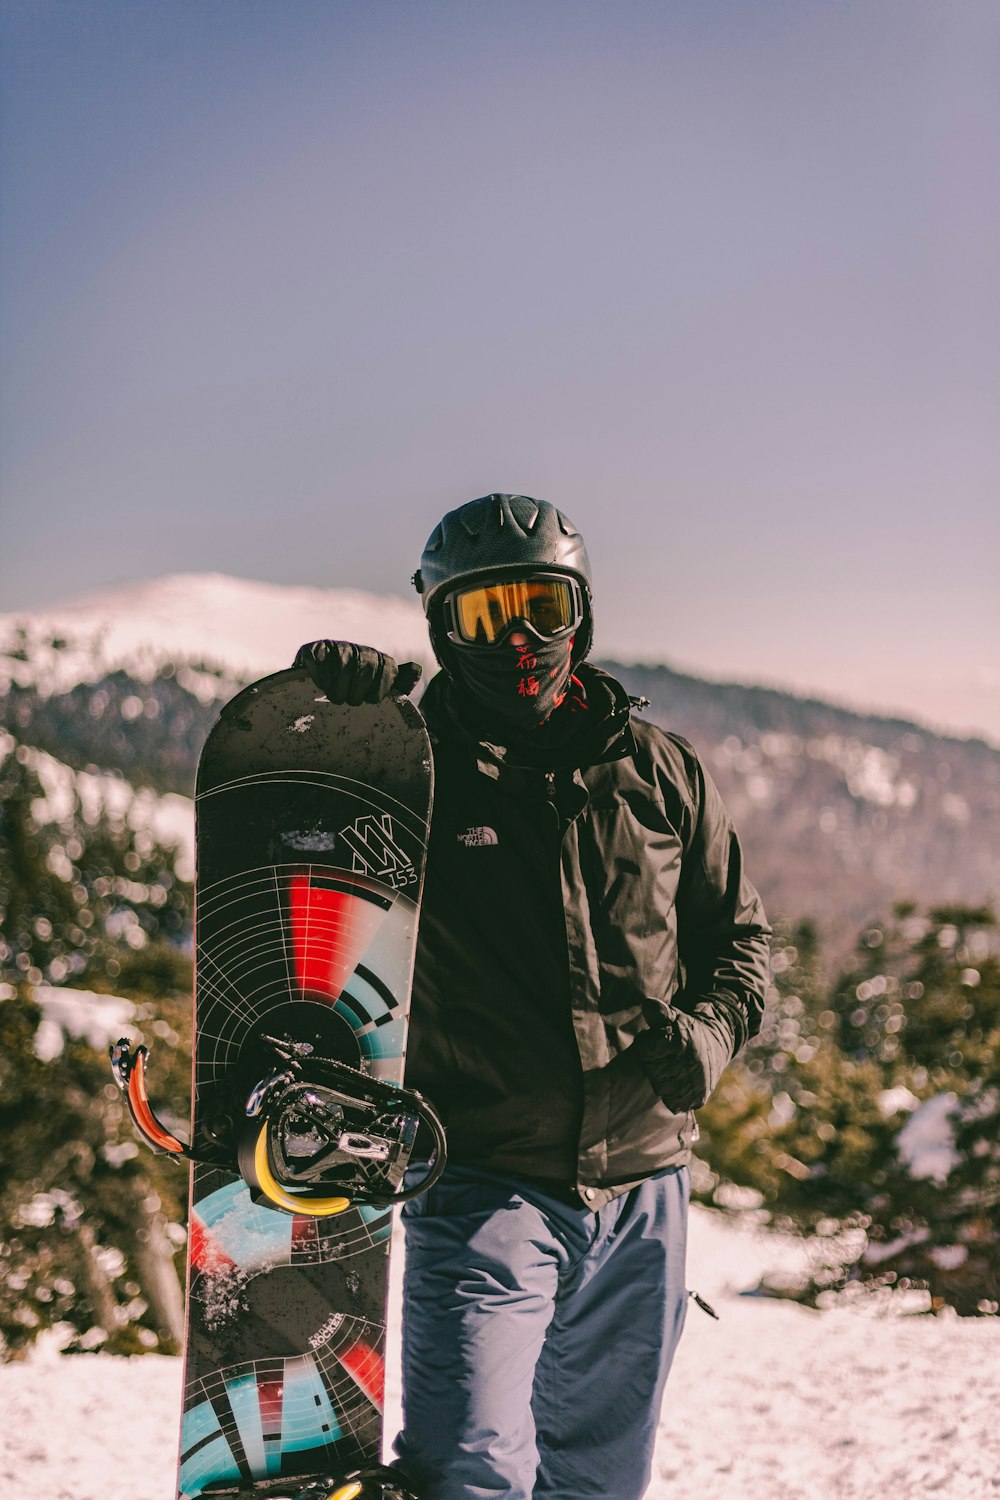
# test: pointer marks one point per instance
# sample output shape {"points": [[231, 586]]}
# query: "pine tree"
{"points": [[935, 988], [85, 1212], [38, 911], [871, 1106], [90, 1223]]}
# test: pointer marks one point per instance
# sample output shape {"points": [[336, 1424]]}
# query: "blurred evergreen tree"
{"points": [[90, 1223], [79, 896], [874, 1104], [38, 910]]}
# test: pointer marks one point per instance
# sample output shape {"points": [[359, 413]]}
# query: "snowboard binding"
{"points": [[361, 1484], [315, 1137], [373, 1482], [314, 1125]]}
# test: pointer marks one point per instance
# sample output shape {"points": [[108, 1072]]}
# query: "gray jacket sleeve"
{"points": [[723, 945]]}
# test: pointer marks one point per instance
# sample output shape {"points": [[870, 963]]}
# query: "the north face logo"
{"points": [[476, 838]]}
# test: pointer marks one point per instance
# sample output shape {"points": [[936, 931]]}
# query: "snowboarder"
{"points": [[590, 957]]}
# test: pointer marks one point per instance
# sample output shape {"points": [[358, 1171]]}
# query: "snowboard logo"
{"points": [[478, 838], [372, 841]]}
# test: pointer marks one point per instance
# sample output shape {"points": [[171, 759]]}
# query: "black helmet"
{"points": [[500, 534]]}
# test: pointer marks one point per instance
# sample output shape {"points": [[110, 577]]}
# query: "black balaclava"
{"points": [[516, 688]]}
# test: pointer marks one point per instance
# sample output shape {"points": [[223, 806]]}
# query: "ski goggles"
{"points": [[549, 606]]}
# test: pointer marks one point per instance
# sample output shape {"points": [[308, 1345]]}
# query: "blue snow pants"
{"points": [[537, 1337]]}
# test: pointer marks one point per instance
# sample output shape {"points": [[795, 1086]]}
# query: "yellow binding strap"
{"points": [[319, 1208]]}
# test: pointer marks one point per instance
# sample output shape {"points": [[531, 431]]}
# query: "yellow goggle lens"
{"points": [[483, 613]]}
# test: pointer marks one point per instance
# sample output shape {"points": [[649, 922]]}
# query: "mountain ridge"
{"points": [[226, 602], [842, 812]]}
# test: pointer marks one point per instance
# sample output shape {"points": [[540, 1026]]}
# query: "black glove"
{"points": [[684, 1056], [352, 674]]}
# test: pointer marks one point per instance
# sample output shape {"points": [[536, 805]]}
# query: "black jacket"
{"points": [[590, 953]]}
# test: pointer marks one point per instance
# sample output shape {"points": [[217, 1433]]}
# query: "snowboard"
{"points": [[312, 824]]}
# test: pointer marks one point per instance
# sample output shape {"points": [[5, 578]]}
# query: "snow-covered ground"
{"points": [[773, 1402]]}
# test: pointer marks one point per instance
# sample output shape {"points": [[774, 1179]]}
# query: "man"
{"points": [[590, 957]]}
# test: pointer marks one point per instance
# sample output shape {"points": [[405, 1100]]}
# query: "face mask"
{"points": [[517, 686]]}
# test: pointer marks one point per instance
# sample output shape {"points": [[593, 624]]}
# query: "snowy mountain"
{"points": [[240, 629], [842, 812]]}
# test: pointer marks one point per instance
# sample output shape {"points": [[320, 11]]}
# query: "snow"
{"points": [[899, 1100], [772, 1401], [97, 1019], [167, 817], [926, 1142], [869, 773], [244, 627]]}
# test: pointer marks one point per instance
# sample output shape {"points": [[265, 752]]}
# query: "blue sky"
{"points": [[281, 283]]}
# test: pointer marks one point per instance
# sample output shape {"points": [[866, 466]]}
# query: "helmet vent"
{"points": [[523, 511], [472, 517]]}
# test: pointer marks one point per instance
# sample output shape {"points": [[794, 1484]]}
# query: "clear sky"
{"points": [[280, 283]]}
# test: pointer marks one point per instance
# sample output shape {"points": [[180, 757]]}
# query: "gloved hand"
{"points": [[683, 1054], [352, 674]]}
